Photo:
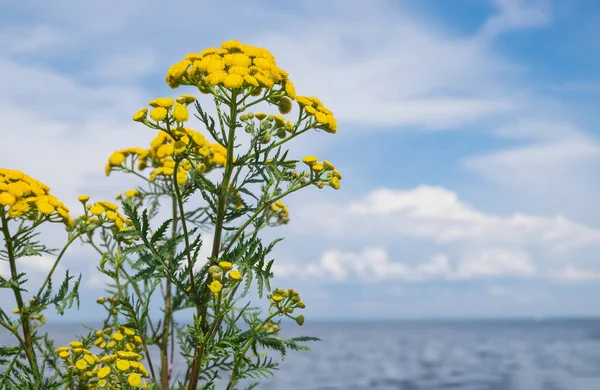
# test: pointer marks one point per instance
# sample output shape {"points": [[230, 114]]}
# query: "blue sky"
{"points": [[468, 140]]}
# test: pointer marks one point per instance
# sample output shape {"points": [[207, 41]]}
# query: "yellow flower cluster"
{"points": [[23, 196], [166, 110], [281, 211], [333, 176], [217, 273], [323, 116], [286, 301], [110, 369], [160, 155], [102, 211], [234, 65]]}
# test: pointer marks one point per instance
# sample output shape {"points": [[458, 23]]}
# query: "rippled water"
{"points": [[484, 355]]}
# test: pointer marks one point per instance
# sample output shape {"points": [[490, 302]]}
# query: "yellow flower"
{"points": [[335, 183], [309, 160], [233, 81], [260, 116], [216, 77], [225, 265], [76, 344], [290, 89], [277, 298], [96, 209], [123, 365], [118, 336], [317, 167], [83, 198], [7, 199], [45, 208], [179, 147], [180, 113], [128, 332], [134, 379], [89, 359], [162, 102], [235, 275], [140, 115], [158, 114], [131, 193], [103, 372], [117, 158], [81, 364], [64, 354], [109, 205], [101, 383], [215, 286], [327, 165]]}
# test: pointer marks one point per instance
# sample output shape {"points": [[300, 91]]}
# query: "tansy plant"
{"points": [[214, 181]]}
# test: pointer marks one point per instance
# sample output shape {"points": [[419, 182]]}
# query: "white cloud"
{"points": [[496, 262], [444, 238], [575, 274], [374, 265], [516, 15], [437, 214]]}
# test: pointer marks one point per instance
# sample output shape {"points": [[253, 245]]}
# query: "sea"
{"points": [[431, 355]]}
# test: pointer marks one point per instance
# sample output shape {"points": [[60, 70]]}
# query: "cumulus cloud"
{"points": [[374, 265], [437, 214], [466, 243]]}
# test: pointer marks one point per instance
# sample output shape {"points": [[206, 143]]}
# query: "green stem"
{"points": [[221, 209], [25, 324]]}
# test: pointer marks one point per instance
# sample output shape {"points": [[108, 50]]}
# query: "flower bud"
{"points": [[101, 300], [300, 320], [284, 105]]}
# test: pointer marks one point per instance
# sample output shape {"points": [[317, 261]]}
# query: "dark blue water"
{"points": [[469, 355]]}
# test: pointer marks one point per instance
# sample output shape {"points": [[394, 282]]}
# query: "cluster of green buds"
{"points": [[111, 304], [223, 275], [269, 125], [317, 168], [285, 301]]}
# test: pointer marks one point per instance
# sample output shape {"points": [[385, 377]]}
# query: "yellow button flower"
{"points": [[225, 265], [180, 113], [309, 160], [81, 364], [134, 380], [123, 365], [235, 275], [215, 286], [158, 114], [103, 372], [140, 115]]}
